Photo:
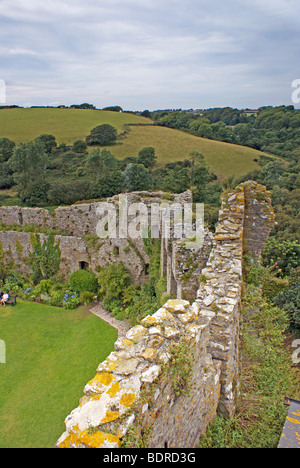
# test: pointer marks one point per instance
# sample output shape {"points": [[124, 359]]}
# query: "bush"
{"points": [[102, 135], [83, 280], [86, 297], [272, 286], [289, 298], [113, 281], [283, 256], [71, 301]]}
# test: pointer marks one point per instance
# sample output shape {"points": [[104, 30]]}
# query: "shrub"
{"points": [[113, 280], [272, 286], [86, 297], [71, 301], [83, 280], [104, 134]]}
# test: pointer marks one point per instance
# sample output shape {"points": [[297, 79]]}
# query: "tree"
{"points": [[48, 142], [147, 156], [110, 184], [113, 281], [79, 146], [6, 149], [137, 177], [102, 135], [113, 109], [6, 178], [101, 163], [93, 163], [28, 164]]}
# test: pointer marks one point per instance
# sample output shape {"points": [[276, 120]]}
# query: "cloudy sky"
{"points": [[150, 54]]}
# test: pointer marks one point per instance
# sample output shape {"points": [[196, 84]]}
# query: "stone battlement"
{"points": [[172, 373]]}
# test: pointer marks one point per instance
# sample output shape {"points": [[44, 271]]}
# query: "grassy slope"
{"points": [[171, 145], [68, 125], [51, 354]]}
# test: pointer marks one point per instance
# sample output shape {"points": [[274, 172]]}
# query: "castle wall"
{"points": [[134, 399], [171, 374]]}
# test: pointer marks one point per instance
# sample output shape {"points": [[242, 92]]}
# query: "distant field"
{"points": [[67, 125], [224, 159]]}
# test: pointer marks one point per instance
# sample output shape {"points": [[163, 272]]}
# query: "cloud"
{"points": [[151, 54]]}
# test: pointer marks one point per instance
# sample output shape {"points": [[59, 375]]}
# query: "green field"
{"points": [[224, 159], [68, 125], [51, 354]]}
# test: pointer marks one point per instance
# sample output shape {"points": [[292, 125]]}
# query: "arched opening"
{"points": [[83, 266]]}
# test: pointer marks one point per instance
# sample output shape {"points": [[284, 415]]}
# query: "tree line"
{"points": [[44, 173], [274, 130]]}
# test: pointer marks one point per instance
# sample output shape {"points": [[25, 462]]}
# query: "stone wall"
{"points": [[79, 243], [134, 398], [138, 395], [76, 250], [133, 387]]}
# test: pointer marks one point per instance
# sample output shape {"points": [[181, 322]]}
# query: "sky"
{"points": [[150, 54]]}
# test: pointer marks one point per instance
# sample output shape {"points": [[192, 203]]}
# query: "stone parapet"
{"points": [[137, 393]]}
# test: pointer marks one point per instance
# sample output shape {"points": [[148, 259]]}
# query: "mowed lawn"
{"points": [[67, 125], [51, 354]]}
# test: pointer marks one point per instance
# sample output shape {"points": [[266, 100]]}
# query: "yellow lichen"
{"points": [[65, 443], [105, 378], [110, 416], [96, 440], [114, 389], [127, 399], [149, 354], [293, 420]]}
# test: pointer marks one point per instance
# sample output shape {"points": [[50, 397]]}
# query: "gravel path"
{"points": [[122, 326]]}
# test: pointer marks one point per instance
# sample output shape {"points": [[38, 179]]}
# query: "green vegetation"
{"points": [[204, 153], [102, 135], [173, 145], [44, 169], [51, 354], [44, 259], [83, 280], [268, 374], [271, 129], [67, 125]]}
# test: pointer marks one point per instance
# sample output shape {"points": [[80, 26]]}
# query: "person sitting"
{"points": [[4, 298]]}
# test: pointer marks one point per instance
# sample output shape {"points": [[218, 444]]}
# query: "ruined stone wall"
{"points": [[133, 392], [77, 229], [133, 399], [75, 250], [138, 396]]}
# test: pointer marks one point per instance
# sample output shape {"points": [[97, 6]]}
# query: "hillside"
{"points": [[224, 159], [69, 125]]}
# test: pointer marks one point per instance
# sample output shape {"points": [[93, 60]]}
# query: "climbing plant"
{"points": [[44, 259]]}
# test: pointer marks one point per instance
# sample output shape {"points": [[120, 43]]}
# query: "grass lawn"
{"points": [[51, 354]]}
